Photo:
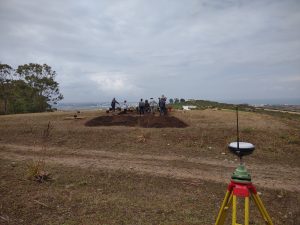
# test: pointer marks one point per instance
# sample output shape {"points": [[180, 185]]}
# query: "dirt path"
{"points": [[195, 169]]}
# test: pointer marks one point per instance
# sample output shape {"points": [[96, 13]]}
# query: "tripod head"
{"points": [[240, 149]]}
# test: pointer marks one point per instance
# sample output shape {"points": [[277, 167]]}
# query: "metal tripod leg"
{"points": [[262, 209], [224, 208]]}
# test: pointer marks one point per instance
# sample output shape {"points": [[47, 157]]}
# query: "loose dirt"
{"points": [[145, 121]]}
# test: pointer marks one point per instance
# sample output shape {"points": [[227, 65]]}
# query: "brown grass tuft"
{"points": [[36, 171]]}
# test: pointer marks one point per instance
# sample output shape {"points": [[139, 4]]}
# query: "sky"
{"points": [[221, 50]]}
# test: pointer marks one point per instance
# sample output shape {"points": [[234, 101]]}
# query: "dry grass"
{"points": [[36, 171], [105, 197], [207, 129], [83, 192]]}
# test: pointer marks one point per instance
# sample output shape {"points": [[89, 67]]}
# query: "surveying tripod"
{"points": [[241, 186]]}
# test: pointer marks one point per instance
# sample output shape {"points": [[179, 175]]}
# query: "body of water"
{"points": [[89, 105], [106, 105], [293, 101]]}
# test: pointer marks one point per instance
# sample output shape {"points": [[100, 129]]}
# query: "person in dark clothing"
{"points": [[142, 107], [113, 104], [147, 106], [159, 103], [162, 105]]}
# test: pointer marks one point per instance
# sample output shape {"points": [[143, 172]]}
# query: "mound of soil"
{"points": [[147, 121]]}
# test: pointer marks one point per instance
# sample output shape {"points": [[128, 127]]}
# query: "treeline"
{"points": [[29, 88], [176, 100]]}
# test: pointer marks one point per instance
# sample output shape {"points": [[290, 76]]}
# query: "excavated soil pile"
{"points": [[133, 121]]}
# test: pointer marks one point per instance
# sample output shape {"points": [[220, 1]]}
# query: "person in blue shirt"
{"points": [[113, 104]]}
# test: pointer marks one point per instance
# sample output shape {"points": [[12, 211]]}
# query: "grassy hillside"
{"points": [[205, 104]]}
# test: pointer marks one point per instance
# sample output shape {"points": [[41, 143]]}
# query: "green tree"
{"points": [[176, 100], [182, 100], [24, 98], [171, 100], [6, 78], [44, 88]]}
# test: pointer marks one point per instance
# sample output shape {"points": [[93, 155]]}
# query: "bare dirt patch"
{"points": [[177, 167], [147, 121]]}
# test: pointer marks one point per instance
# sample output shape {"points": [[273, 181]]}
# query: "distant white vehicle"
{"points": [[188, 107]]}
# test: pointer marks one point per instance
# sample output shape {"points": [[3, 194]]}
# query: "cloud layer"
{"points": [[210, 49]]}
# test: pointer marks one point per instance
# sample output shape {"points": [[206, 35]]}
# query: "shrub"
{"points": [[36, 171]]}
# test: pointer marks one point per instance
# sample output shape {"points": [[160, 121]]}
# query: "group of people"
{"points": [[144, 106], [152, 106]]}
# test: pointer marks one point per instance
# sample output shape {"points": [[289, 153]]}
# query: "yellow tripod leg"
{"points": [[234, 203], [224, 208], [254, 196], [246, 210], [262, 209]]}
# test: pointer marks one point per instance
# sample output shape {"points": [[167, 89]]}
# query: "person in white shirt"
{"points": [[153, 105], [125, 106]]}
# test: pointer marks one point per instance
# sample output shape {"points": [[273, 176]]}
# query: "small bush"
{"points": [[36, 171]]}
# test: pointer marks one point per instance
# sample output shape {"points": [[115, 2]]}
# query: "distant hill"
{"points": [[205, 104], [286, 111]]}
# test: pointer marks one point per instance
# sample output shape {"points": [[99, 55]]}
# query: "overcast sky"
{"points": [[207, 49]]}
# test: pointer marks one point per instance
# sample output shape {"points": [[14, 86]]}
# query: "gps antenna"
{"points": [[238, 133]]}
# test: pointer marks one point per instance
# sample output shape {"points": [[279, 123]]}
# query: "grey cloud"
{"points": [[193, 49]]}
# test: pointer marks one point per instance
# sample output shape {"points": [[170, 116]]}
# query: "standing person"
{"points": [[113, 104], [125, 105], [142, 107], [162, 105], [147, 106], [159, 106], [153, 105]]}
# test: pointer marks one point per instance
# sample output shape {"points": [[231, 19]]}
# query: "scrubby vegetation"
{"points": [[29, 88]]}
